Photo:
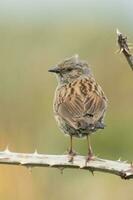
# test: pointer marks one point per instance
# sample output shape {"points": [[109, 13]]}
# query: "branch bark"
{"points": [[124, 48], [122, 169]]}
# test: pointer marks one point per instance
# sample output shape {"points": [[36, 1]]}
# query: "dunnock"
{"points": [[79, 103]]}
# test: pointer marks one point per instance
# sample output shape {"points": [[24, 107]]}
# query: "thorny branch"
{"points": [[124, 48], [120, 168]]}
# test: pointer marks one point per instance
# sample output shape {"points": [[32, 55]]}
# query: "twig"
{"points": [[122, 169], [124, 48]]}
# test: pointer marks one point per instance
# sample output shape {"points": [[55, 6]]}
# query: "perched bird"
{"points": [[79, 103]]}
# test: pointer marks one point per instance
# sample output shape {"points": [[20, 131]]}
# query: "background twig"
{"points": [[122, 169], [124, 48]]}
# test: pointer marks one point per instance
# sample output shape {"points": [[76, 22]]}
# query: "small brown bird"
{"points": [[79, 103]]}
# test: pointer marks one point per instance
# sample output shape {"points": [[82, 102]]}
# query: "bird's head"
{"points": [[70, 69]]}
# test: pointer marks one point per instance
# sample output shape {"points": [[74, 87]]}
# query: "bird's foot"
{"points": [[89, 157], [71, 154]]}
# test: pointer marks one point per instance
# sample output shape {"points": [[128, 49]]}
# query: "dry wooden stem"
{"points": [[122, 169], [124, 48]]}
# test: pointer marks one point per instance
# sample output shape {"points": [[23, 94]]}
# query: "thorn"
{"points": [[118, 32], [127, 50], [119, 159], [82, 166], [29, 167], [61, 169], [76, 56], [23, 162], [7, 150], [35, 152], [92, 171], [121, 50], [52, 164]]}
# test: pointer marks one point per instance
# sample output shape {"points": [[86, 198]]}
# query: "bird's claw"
{"points": [[90, 157], [71, 154]]}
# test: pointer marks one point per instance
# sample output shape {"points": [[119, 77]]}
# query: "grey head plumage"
{"points": [[70, 69]]}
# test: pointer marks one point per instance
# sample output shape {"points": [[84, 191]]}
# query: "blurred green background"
{"points": [[35, 35]]}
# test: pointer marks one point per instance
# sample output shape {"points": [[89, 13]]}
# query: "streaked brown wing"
{"points": [[78, 101], [95, 105], [70, 108]]}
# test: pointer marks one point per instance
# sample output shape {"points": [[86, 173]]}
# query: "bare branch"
{"points": [[124, 48], [122, 169]]}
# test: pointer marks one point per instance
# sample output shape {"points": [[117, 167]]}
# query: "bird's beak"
{"points": [[54, 69]]}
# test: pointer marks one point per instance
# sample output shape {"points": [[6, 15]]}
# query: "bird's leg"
{"points": [[90, 155], [70, 151]]}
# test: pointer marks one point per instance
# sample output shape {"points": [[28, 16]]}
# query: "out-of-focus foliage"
{"points": [[27, 50]]}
